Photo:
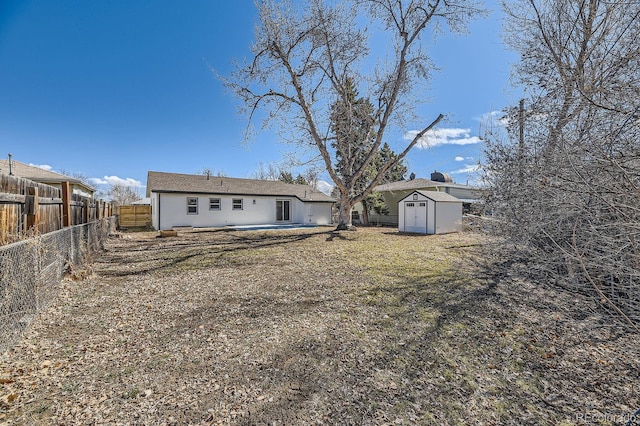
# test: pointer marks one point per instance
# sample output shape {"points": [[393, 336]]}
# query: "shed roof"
{"points": [[436, 196], [183, 183]]}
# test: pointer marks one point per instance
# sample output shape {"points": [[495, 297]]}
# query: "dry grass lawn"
{"points": [[315, 327]]}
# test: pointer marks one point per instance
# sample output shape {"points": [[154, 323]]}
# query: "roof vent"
{"points": [[441, 177]]}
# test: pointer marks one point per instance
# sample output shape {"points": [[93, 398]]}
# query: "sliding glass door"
{"points": [[283, 210]]}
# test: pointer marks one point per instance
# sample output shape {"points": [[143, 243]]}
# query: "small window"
{"points": [[410, 204], [236, 204], [423, 204], [192, 205], [214, 203]]}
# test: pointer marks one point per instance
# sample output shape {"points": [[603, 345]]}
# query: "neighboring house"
{"points": [[37, 174], [393, 192], [144, 202], [206, 201]]}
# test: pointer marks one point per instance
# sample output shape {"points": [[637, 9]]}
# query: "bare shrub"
{"points": [[564, 179]]}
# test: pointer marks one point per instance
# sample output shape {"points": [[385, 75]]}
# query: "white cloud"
{"points": [[489, 116], [468, 168], [324, 187], [458, 158], [115, 180], [98, 181], [42, 166], [447, 136], [493, 117]]}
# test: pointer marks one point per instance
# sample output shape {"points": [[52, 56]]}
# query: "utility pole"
{"points": [[521, 127], [521, 141]]}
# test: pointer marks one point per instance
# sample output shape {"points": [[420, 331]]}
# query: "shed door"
{"points": [[415, 216]]}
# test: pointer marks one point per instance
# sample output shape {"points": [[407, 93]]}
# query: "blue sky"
{"points": [[114, 89]]}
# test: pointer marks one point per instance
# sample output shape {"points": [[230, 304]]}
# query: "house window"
{"points": [[236, 204], [214, 203], [192, 205]]}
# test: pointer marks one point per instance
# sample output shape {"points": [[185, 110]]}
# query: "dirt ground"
{"points": [[315, 327]]}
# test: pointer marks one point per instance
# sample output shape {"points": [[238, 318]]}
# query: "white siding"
{"points": [[154, 210], [448, 218], [317, 214], [442, 216], [431, 216], [464, 193], [171, 211]]}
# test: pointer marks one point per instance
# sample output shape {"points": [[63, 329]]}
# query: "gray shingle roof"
{"points": [[417, 183], [182, 183], [437, 196], [37, 174]]}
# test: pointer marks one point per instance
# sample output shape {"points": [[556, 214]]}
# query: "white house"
{"points": [[207, 201], [428, 212]]}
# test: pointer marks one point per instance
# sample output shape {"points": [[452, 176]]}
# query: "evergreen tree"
{"points": [[375, 201], [353, 120], [286, 177]]}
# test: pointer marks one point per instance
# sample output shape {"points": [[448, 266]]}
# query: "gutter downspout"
{"points": [[159, 227]]}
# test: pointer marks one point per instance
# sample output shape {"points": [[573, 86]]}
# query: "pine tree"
{"points": [[353, 121]]}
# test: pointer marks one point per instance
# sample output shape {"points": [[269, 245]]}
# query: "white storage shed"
{"points": [[429, 212]]}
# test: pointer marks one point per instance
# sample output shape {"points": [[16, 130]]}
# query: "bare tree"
{"points": [[208, 171], [305, 53], [76, 175], [275, 172], [123, 195], [566, 183], [267, 172]]}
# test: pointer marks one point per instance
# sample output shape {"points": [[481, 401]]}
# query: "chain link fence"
{"points": [[31, 272]]}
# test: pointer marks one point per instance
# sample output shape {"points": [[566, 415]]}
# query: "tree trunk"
{"points": [[344, 218], [365, 212]]}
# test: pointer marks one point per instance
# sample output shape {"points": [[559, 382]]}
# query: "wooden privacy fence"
{"points": [[134, 216], [28, 207]]}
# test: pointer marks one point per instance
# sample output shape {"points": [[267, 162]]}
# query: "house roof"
{"points": [[39, 175], [181, 183], [436, 196], [418, 183]]}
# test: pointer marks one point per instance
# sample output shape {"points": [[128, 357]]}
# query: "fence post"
{"points": [[66, 204], [32, 208], [86, 214]]}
